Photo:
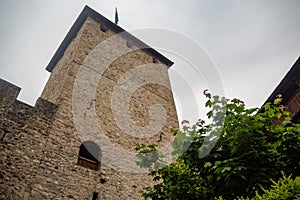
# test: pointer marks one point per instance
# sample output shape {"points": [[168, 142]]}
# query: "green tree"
{"points": [[285, 188], [236, 154]]}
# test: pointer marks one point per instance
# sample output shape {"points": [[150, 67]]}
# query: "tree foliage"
{"points": [[285, 188], [236, 154]]}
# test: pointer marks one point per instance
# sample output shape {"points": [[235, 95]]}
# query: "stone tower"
{"points": [[105, 94]]}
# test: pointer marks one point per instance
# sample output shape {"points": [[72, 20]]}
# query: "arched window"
{"points": [[89, 155]]}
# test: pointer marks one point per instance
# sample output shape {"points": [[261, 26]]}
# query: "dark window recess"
{"points": [[3, 133], [129, 44], [95, 196], [89, 155], [102, 180], [155, 60], [103, 28]]}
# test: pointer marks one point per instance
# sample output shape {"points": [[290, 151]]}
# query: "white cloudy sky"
{"points": [[252, 42]]}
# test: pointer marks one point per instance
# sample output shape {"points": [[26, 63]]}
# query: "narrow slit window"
{"points": [[95, 196]]}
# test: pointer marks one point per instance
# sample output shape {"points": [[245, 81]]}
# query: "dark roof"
{"points": [[288, 85], [88, 12]]}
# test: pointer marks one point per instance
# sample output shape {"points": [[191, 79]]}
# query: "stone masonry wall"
{"points": [[23, 134], [40, 145]]}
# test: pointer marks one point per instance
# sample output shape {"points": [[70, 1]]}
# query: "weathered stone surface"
{"points": [[39, 145]]}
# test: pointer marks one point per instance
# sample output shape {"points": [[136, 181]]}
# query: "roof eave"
{"points": [[288, 85], [89, 12]]}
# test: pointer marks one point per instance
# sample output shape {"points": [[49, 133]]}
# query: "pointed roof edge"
{"points": [[89, 12], [288, 85]]}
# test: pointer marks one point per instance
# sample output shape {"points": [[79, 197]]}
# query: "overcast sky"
{"points": [[253, 43]]}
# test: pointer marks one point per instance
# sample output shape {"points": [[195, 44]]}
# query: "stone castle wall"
{"points": [[40, 145], [24, 132]]}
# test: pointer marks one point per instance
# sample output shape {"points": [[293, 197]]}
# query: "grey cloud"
{"points": [[253, 43]]}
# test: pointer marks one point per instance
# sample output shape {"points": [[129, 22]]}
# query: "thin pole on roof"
{"points": [[116, 16]]}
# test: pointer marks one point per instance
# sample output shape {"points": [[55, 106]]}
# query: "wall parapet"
{"points": [[18, 111]]}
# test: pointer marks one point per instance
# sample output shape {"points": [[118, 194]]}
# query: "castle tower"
{"points": [[107, 92]]}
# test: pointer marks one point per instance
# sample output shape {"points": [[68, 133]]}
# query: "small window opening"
{"points": [[102, 180], [129, 44], [3, 134], [95, 196], [89, 155], [103, 28], [155, 60]]}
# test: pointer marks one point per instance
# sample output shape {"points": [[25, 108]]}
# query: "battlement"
{"points": [[8, 93], [19, 111]]}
